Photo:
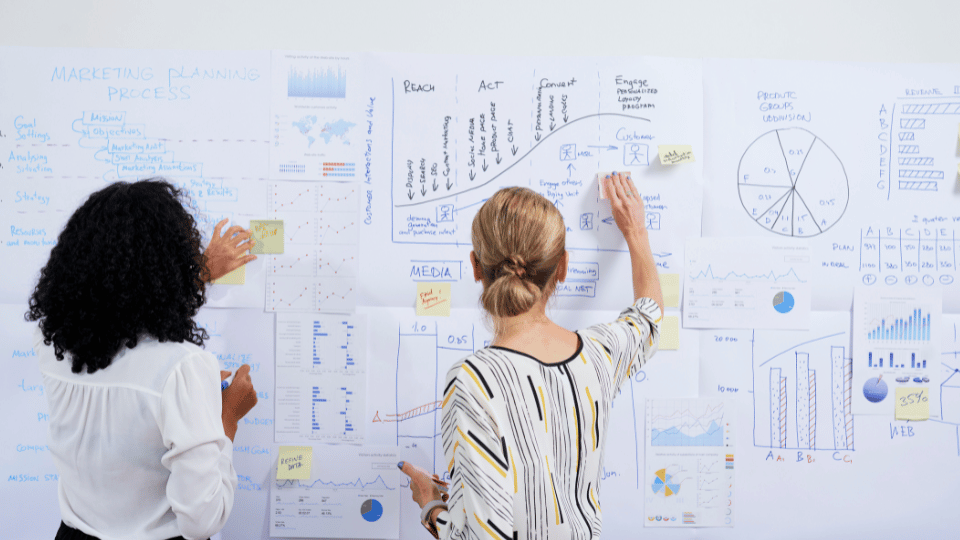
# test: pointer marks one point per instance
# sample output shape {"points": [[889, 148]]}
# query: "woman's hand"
{"points": [[226, 253], [626, 204], [425, 487], [238, 399]]}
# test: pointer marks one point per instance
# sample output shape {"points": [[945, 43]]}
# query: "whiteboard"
{"points": [[712, 105]]}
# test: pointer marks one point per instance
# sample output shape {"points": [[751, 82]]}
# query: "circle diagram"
{"points": [[371, 510], [783, 302], [792, 183], [664, 482], [875, 390]]}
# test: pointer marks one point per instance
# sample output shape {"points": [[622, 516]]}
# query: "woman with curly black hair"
{"points": [[139, 429]]}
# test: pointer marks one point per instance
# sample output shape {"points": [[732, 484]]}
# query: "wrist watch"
{"points": [[425, 516]]}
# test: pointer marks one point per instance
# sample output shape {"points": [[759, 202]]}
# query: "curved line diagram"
{"points": [[521, 158]]}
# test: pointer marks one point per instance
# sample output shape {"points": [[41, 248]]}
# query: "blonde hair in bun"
{"points": [[519, 239]]}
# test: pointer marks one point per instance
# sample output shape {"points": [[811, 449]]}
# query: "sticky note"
{"points": [[268, 234], [672, 154], [433, 299], [670, 287], [601, 180], [670, 334], [237, 277], [912, 403], [294, 462]]}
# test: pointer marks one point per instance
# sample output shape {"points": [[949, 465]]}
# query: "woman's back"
{"points": [[532, 460], [117, 433]]}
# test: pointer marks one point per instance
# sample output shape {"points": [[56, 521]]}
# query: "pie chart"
{"points": [[783, 302], [663, 482], [875, 389], [371, 510], [791, 183]]}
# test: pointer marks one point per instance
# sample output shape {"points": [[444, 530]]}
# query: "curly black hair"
{"points": [[127, 264]]}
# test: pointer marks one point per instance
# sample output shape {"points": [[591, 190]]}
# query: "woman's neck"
{"points": [[509, 329]]}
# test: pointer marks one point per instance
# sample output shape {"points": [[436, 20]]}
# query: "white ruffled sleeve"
{"points": [[199, 456]]}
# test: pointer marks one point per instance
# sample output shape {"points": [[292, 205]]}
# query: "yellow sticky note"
{"points": [[670, 286], [433, 299], [268, 234], [670, 334], [294, 463], [601, 180], [237, 277], [672, 154], [912, 404]]}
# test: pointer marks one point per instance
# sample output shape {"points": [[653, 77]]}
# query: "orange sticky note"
{"points": [[433, 299], [673, 154]]}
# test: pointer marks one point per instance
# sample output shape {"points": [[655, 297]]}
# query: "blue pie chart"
{"points": [[783, 302], [875, 390], [371, 510]]}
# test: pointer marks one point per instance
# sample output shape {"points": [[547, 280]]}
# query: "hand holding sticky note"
{"points": [[268, 234], [912, 404], [673, 154], [294, 463], [601, 179], [433, 299]]}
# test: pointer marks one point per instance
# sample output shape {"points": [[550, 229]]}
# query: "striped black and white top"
{"points": [[524, 440]]}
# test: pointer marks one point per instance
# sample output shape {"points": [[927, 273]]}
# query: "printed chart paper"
{"points": [[318, 268], [314, 121], [896, 344], [321, 378], [351, 492], [747, 283], [689, 463]]}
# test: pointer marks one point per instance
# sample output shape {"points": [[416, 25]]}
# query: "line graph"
{"points": [[376, 483], [686, 423], [789, 275]]}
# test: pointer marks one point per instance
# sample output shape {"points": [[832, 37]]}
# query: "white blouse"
{"points": [[140, 446]]}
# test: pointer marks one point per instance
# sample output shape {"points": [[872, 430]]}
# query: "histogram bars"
{"points": [[317, 83], [793, 417], [916, 327]]}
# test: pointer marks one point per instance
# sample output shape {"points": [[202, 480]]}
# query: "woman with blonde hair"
{"points": [[524, 420]]}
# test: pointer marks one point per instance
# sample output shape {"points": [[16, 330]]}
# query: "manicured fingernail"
{"points": [[614, 172], [608, 177], [400, 465]]}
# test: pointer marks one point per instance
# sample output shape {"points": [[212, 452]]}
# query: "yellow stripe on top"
{"points": [[483, 453], [544, 409], [577, 432], [556, 506], [513, 465], [584, 358], [446, 399], [595, 501], [469, 371], [593, 412], [450, 466], [485, 527]]}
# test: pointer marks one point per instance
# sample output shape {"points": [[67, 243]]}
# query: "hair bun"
{"points": [[514, 265]]}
